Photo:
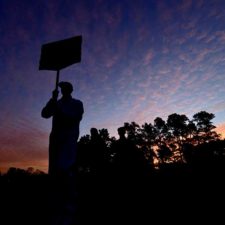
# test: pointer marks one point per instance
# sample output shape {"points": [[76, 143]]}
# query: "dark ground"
{"points": [[171, 196]]}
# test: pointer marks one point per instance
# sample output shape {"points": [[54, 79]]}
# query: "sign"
{"points": [[60, 54]]}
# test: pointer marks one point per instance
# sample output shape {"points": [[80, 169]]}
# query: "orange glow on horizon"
{"points": [[41, 165], [221, 130]]}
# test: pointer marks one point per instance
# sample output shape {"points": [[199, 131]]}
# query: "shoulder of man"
{"points": [[77, 101]]}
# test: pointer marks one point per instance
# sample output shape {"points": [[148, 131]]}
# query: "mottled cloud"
{"points": [[148, 57], [165, 13], [184, 5], [218, 106]]}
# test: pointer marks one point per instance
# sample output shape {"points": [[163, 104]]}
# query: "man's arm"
{"points": [[50, 108]]}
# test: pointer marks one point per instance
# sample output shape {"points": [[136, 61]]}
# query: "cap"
{"points": [[66, 85]]}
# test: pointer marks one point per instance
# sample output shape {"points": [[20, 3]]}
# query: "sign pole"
{"points": [[57, 80]]}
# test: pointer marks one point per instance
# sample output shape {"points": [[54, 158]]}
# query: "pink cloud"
{"points": [[165, 13], [142, 32], [216, 13], [114, 17], [199, 4], [181, 40], [209, 39], [165, 50], [202, 35], [148, 57], [192, 33], [110, 62], [184, 6], [201, 55], [221, 36], [184, 57], [218, 107], [145, 84]]}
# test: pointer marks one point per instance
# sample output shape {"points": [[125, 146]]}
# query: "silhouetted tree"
{"points": [[133, 133], [177, 127], [161, 130], [83, 149], [148, 135], [204, 127], [164, 153], [104, 134], [168, 142], [188, 152], [85, 139], [191, 131], [30, 170]]}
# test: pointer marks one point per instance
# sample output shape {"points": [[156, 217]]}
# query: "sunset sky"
{"points": [[140, 59]]}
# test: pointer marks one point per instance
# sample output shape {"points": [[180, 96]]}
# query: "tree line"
{"points": [[175, 140]]}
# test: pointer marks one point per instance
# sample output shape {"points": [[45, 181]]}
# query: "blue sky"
{"points": [[140, 59]]}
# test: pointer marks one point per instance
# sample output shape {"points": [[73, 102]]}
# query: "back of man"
{"points": [[67, 113]]}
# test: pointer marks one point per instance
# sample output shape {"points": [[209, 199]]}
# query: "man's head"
{"points": [[66, 88], [121, 131], [94, 132]]}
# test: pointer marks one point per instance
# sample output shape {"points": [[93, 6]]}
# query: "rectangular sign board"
{"points": [[60, 54]]}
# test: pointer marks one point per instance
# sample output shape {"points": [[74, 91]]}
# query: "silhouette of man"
{"points": [[67, 113], [129, 161], [97, 150], [122, 150]]}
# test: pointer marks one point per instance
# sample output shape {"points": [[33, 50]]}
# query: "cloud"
{"points": [[201, 35], [199, 4], [165, 12], [221, 36], [148, 57], [218, 107], [110, 62], [184, 5]]}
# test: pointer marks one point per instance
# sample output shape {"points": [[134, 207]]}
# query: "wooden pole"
{"points": [[57, 80]]}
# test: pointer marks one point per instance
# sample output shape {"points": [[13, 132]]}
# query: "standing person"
{"points": [[129, 160], [67, 113], [97, 152]]}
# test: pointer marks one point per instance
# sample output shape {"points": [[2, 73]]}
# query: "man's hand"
{"points": [[55, 94]]}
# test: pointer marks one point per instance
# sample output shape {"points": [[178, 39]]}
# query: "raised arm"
{"points": [[50, 108]]}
